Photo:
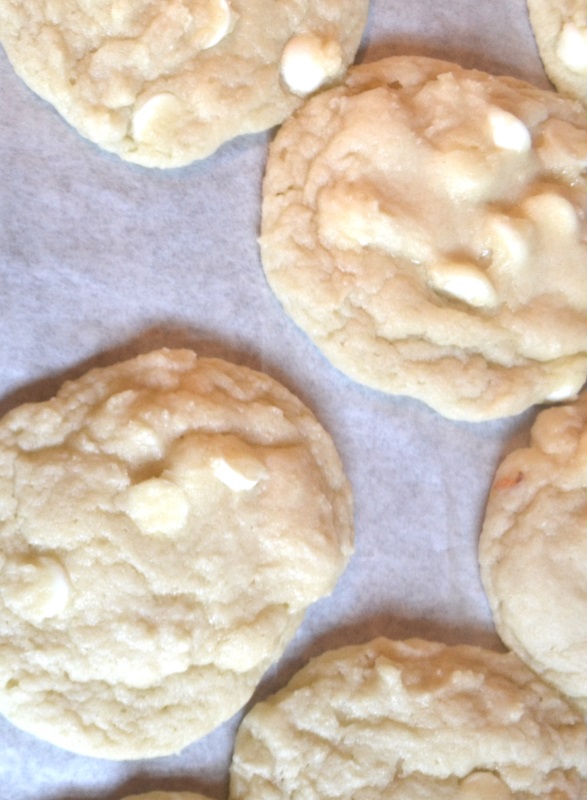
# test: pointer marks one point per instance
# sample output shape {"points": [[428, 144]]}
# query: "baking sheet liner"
{"points": [[101, 260]]}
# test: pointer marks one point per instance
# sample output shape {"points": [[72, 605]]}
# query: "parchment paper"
{"points": [[101, 260]]}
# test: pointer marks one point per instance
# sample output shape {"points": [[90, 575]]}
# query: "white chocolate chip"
{"points": [[308, 61], [52, 587], [41, 589], [219, 24], [553, 211], [465, 174], [157, 506], [509, 240], [508, 132], [119, 91], [238, 472], [464, 281], [571, 48], [566, 391], [155, 114]]}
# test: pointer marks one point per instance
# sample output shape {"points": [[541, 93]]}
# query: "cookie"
{"points": [[533, 549], [408, 720], [560, 30], [164, 523], [165, 83], [424, 225]]}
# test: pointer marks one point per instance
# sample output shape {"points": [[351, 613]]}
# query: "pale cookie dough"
{"points": [[560, 30], [412, 720], [165, 82], [425, 226], [164, 524], [533, 549]]}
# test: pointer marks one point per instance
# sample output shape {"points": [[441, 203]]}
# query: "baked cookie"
{"points": [[165, 82], [164, 523], [424, 224], [407, 720], [533, 549], [560, 30]]}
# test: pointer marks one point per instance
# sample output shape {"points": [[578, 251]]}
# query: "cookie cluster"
{"points": [[166, 521]]}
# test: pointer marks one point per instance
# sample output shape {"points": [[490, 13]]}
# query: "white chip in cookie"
{"points": [[407, 720], [425, 225], [167, 82], [560, 30], [164, 524], [533, 549]]}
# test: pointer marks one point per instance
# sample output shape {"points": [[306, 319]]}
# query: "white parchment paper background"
{"points": [[101, 260]]}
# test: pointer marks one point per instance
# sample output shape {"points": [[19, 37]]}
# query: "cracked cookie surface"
{"points": [[408, 720], [533, 549], [163, 83], [413, 224], [164, 524]]}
